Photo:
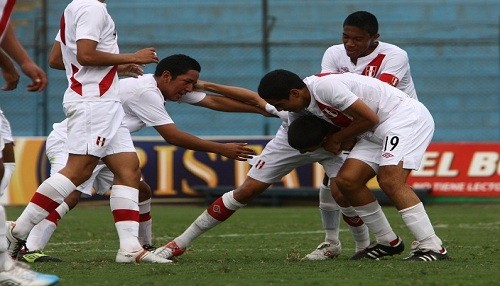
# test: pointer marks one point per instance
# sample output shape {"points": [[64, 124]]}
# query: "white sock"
{"points": [[377, 223], [125, 209], [7, 175], [201, 224], [42, 232], [330, 214], [48, 196], [417, 220], [145, 222], [217, 212], [6, 262], [358, 229]]}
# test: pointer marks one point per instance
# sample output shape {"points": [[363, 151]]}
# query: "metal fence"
{"points": [[453, 48]]}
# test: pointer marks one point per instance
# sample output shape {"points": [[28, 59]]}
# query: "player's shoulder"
{"points": [[79, 6], [335, 50], [391, 49]]}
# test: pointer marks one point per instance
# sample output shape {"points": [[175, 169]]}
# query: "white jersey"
{"points": [[88, 19], [332, 93], [387, 62], [6, 7], [144, 104]]}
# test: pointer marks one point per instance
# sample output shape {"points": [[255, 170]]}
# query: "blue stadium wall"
{"points": [[452, 45]]}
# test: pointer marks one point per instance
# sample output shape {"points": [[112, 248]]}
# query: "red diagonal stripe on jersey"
{"points": [[336, 116], [7, 11], [75, 85], [372, 68], [107, 80], [62, 29]]}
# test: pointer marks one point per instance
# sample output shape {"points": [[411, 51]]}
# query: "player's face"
{"points": [[294, 103], [174, 89], [357, 42]]}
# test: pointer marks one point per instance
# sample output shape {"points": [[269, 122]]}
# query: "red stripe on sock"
{"points": [[144, 216], [394, 242], [353, 221], [53, 217], [219, 211], [125, 215], [46, 203]]}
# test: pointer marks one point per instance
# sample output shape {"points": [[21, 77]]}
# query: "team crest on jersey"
{"points": [[344, 69], [371, 71]]}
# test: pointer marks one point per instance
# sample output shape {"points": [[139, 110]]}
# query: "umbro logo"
{"points": [[216, 208], [387, 155]]}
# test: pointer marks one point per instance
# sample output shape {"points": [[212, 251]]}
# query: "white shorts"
{"points": [[278, 159], [97, 128], [101, 179], [403, 137]]}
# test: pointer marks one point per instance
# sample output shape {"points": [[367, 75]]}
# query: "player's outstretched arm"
{"points": [[88, 55], [9, 72], [226, 104], [242, 95], [238, 93], [15, 50], [174, 136]]}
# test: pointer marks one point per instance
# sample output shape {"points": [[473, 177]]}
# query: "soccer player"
{"points": [[362, 53], [96, 130], [143, 100], [394, 131], [276, 160], [13, 272]]}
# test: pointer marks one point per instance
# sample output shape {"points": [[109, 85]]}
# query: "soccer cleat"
{"points": [[419, 254], [36, 256], [21, 274], [169, 250], [375, 251], [141, 256], [14, 245], [326, 250]]}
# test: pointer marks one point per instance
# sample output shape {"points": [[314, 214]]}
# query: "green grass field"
{"points": [[262, 246]]}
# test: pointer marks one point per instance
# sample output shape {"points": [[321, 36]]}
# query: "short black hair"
{"points": [[363, 20], [278, 83], [177, 64], [308, 131]]}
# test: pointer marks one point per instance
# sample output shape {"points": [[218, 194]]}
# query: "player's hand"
{"points": [[348, 144], [199, 85], [37, 76], [146, 56], [130, 70], [237, 151], [332, 146], [283, 115], [11, 78]]}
